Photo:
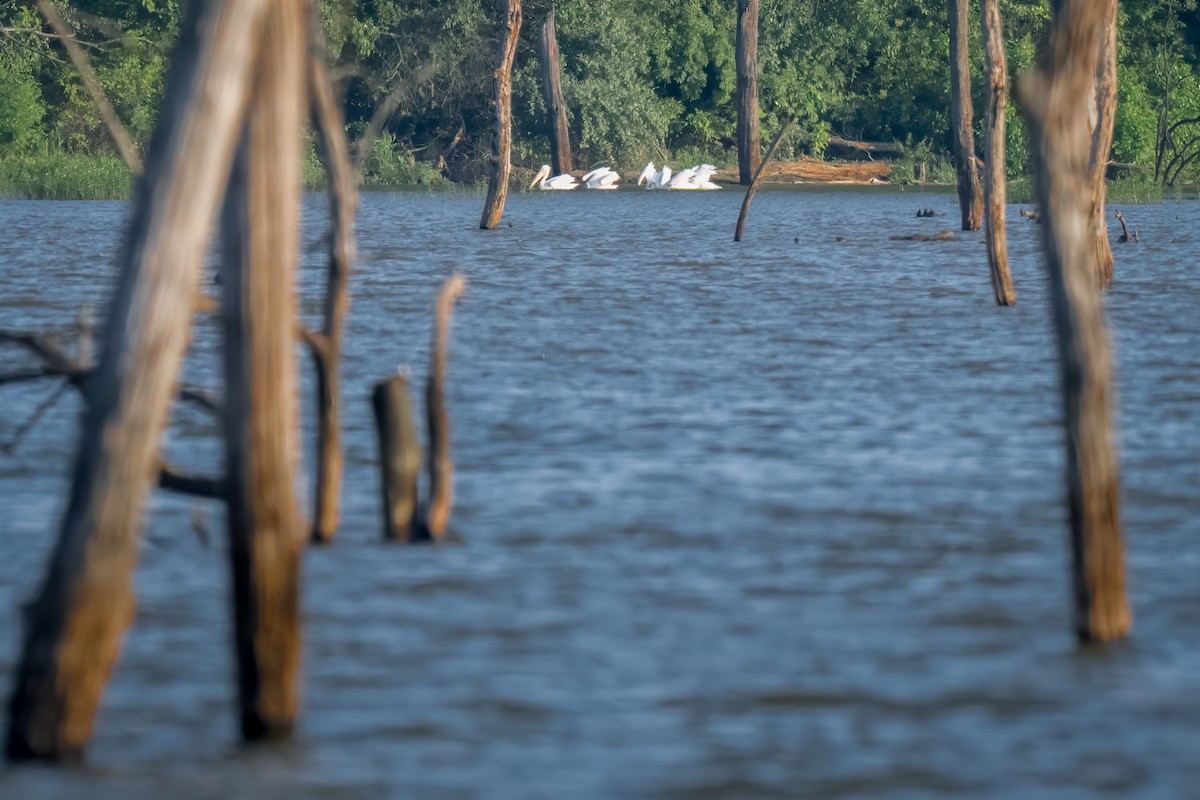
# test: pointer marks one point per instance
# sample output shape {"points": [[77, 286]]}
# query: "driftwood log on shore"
{"points": [[812, 170]]}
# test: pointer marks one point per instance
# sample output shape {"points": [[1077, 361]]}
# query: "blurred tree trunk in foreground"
{"points": [[1055, 99]]}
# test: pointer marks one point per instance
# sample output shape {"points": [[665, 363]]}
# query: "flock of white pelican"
{"points": [[697, 178]]}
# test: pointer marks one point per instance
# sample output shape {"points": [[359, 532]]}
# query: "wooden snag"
{"points": [[266, 537], [112, 122], [995, 183], [399, 460], [325, 345], [440, 465], [970, 192], [73, 628], [1054, 99], [758, 176], [493, 206], [560, 139], [746, 55], [1126, 237], [940, 236], [1104, 115]]}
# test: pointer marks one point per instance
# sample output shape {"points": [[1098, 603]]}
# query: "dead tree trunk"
{"points": [[325, 346], [441, 466], [995, 188], [560, 139], [970, 193], [493, 207], [1055, 100], [265, 534], [74, 626], [754, 183], [1104, 120], [748, 140]]}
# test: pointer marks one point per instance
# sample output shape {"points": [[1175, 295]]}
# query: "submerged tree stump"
{"points": [[493, 206], [1055, 100], [556, 107], [266, 537], [399, 460], [74, 626], [746, 55], [970, 193], [995, 186]]}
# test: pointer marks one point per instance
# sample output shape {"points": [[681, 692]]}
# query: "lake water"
{"points": [[778, 519]]}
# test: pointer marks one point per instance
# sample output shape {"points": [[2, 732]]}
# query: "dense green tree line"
{"points": [[642, 78]]}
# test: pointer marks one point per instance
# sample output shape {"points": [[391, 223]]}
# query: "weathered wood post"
{"points": [[493, 206], [1055, 100], [995, 186], [1104, 117], [970, 193], [261, 223], [556, 107], [440, 464], [325, 345], [746, 55], [73, 628], [758, 176], [399, 460]]}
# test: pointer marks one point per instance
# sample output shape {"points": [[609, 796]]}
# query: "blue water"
{"points": [[778, 519]]}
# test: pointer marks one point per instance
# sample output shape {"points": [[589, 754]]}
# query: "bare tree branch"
{"points": [[116, 130]]}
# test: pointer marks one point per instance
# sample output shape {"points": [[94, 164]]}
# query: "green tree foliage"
{"points": [[643, 79]]}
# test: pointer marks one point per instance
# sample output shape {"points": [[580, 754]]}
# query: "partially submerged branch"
{"points": [[440, 465], [325, 346], [758, 176]]}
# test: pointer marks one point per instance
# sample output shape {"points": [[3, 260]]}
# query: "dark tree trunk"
{"points": [[995, 188], [399, 460], [754, 183], [970, 192], [493, 206], [748, 140], [560, 139], [261, 224], [1055, 100], [73, 628]]}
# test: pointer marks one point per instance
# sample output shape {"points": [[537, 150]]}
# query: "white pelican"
{"points": [[559, 182], [601, 178], [682, 179], [648, 176], [702, 179]]}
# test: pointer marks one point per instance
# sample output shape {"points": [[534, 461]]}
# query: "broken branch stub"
{"points": [[440, 464], [399, 460]]}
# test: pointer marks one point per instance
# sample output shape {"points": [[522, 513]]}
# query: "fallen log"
{"points": [[813, 170], [943, 235], [867, 149]]}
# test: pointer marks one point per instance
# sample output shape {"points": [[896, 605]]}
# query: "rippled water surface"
{"points": [[779, 519]]}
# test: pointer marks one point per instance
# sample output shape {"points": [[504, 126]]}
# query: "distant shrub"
{"points": [[54, 175]]}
